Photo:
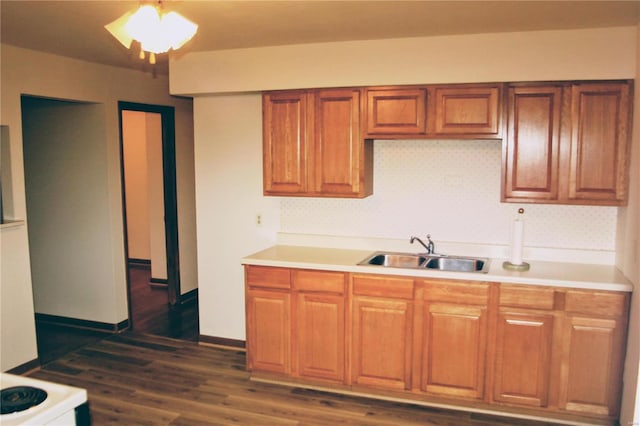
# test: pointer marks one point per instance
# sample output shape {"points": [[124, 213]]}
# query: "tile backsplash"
{"points": [[450, 189]]}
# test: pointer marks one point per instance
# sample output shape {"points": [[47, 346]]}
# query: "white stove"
{"points": [[57, 408]]}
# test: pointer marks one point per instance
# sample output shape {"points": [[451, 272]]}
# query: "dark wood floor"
{"points": [[150, 314], [140, 379], [156, 374]]}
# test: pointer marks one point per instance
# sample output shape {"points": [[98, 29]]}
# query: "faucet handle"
{"points": [[431, 247]]}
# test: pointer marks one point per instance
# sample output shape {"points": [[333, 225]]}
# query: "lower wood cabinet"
{"points": [[454, 338], [593, 352], [268, 312], [269, 327], [560, 348], [523, 357], [551, 349], [524, 343], [382, 328], [319, 344]]}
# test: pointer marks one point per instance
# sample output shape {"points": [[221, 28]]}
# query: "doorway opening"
{"points": [[150, 217], [64, 150]]}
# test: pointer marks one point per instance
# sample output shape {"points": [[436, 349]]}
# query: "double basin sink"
{"points": [[427, 261]]}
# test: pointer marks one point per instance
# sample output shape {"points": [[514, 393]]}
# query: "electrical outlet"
{"points": [[258, 219]]}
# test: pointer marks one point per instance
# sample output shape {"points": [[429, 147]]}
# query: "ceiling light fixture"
{"points": [[157, 31]]}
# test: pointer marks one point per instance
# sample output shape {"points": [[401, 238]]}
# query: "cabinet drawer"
{"points": [[596, 303], [459, 292], [266, 276], [526, 297], [383, 286], [332, 282]]}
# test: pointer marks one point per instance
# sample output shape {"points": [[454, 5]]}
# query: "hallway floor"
{"points": [[150, 314]]}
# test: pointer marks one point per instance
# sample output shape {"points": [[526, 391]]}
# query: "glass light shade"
{"points": [[143, 25], [156, 32], [178, 29], [117, 29]]}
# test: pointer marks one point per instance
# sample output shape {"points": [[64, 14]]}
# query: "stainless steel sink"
{"points": [[395, 260], [425, 261], [458, 264]]}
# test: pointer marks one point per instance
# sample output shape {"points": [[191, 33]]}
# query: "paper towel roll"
{"points": [[517, 237]]}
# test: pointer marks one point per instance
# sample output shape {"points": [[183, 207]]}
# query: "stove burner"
{"points": [[20, 398]]}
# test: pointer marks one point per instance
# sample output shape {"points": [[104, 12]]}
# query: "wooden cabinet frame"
{"points": [[312, 144], [469, 111], [382, 331], [567, 143], [547, 349], [563, 142], [319, 344], [396, 111], [454, 111]]}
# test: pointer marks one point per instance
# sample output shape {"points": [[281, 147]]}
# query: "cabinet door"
{"points": [[467, 111], [599, 142], [591, 370], [523, 358], [320, 336], [268, 331], [396, 112], [285, 143], [382, 342], [532, 150], [454, 339], [338, 167]]}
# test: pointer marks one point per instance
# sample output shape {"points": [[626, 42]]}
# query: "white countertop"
{"points": [[556, 274]]}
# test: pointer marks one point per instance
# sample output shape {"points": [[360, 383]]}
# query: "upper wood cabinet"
{"points": [[451, 111], [533, 143], [567, 143], [342, 161], [601, 121], [285, 144], [396, 111], [468, 111], [312, 144]]}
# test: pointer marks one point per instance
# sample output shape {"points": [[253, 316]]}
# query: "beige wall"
{"points": [[33, 73], [541, 55], [67, 214], [229, 197], [227, 133], [142, 144], [629, 263], [157, 242], [136, 171]]}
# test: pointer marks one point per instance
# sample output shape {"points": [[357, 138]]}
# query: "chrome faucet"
{"points": [[431, 248]]}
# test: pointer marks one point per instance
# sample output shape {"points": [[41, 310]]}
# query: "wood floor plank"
{"points": [[221, 411], [134, 413], [140, 379]]}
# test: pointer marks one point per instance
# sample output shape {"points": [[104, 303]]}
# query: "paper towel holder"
{"points": [[524, 266]]}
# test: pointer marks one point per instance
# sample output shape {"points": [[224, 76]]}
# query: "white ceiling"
{"points": [[76, 28]]}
